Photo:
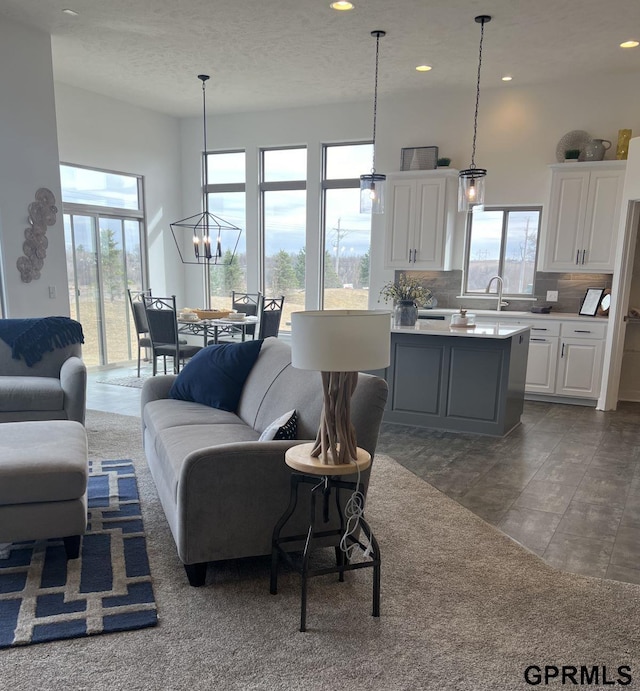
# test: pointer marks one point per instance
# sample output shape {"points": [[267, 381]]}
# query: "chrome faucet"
{"points": [[501, 303]]}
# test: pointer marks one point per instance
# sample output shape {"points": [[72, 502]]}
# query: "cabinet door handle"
{"points": [[562, 353], [583, 254], [542, 340], [410, 251], [415, 255], [577, 256], [581, 331], [538, 328]]}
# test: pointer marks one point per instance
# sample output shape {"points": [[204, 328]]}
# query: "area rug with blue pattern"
{"points": [[44, 597]]}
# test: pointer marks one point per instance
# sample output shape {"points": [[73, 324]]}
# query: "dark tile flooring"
{"points": [[565, 484]]}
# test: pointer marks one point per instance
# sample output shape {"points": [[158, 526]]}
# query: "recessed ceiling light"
{"points": [[424, 68], [73, 13], [629, 44], [341, 5], [507, 78]]}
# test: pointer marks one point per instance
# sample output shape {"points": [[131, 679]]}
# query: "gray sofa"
{"points": [[221, 489], [52, 389]]}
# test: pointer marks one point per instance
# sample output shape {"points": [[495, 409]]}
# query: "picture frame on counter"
{"points": [[591, 302]]}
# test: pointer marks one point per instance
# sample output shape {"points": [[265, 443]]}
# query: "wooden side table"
{"points": [[325, 479]]}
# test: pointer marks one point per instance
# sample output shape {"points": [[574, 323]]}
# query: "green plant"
{"points": [[444, 161], [405, 289], [572, 153]]}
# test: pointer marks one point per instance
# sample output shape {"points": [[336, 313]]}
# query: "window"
{"points": [[90, 187], [106, 255], [504, 242], [347, 232], [226, 175], [283, 190]]}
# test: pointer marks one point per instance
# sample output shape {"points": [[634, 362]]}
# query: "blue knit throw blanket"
{"points": [[30, 339]]}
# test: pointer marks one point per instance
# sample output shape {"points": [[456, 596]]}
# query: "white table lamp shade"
{"points": [[340, 340]]}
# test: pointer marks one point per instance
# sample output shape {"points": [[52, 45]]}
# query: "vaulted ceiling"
{"points": [[266, 54]]}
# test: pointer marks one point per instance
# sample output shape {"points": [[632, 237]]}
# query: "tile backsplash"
{"points": [[446, 286]]}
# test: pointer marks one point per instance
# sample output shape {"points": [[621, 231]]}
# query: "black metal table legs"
{"points": [[322, 489]]}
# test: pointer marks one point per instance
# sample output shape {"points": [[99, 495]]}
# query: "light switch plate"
{"points": [[552, 296]]}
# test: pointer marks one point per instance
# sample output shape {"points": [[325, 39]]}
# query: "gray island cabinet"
{"points": [[459, 379]]}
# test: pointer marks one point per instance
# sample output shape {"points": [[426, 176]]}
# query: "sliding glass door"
{"points": [[104, 259], [106, 255]]}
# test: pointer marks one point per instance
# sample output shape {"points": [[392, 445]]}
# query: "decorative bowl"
{"points": [[211, 314]]}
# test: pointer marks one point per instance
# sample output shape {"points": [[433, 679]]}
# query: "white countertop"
{"points": [[428, 327], [507, 314]]}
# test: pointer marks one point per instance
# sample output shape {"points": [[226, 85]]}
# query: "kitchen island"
{"points": [[455, 378]]}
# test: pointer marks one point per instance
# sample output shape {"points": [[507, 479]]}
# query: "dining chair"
{"points": [[140, 320], [251, 305], [162, 318], [270, 316]]}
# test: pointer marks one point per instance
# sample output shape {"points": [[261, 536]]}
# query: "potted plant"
{"points": [[406, 294], [444, 162], [572, 155]]}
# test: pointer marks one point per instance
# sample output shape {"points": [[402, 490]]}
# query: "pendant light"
{"points": [[211, 235], [471, 180], [372, 184]]}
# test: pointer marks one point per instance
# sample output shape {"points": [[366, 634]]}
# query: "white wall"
{"points": [[105, 133], [518, 131], [622, 280], [28, 161]]}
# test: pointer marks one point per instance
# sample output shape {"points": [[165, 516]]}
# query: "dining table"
{"points": [[212, 329]]}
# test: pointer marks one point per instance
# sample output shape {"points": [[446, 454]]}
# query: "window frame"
{"points": [[506, 209]]}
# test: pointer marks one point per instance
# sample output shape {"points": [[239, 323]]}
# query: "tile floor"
{"points": [[565, 484]]}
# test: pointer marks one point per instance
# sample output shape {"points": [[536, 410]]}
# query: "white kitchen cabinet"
{"points": [[583, 215], [580, 361], [420, 219], [565, 357], [543, 358]]}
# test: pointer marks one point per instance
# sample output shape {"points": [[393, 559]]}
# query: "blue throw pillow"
{"points": [[216, 374]]}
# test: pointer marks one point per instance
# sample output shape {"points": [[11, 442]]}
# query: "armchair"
{"points": [[42, 375]]}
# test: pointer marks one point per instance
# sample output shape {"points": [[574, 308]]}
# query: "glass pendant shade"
{"points": [[372, 184], [471, 180], [471, 189], [372, 193]]}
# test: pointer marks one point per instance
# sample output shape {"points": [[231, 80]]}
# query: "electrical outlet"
{"points": [[52, 292], [552, 296]]}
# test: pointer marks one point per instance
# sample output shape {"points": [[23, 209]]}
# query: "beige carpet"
{"points": [[463, 607]]}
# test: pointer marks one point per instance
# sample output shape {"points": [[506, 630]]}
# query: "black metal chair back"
{"points": [[140, 320], [270, 317], [251, 305], [162, 317]]}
